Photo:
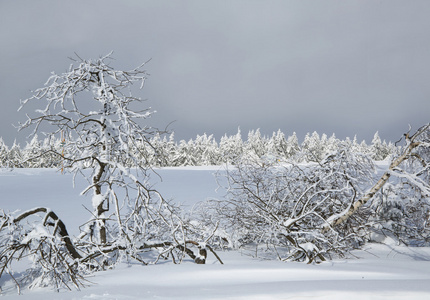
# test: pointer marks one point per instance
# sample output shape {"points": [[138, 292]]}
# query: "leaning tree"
{"points": [[92, 107]]}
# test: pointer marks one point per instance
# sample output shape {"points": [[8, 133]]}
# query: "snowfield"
{"points": [[377, 272]]}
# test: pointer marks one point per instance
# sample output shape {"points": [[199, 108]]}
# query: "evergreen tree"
{"points": [[314, 149], [293, 146], [231, 147], [3, 154], [14, 157], [255, 146], [277, 145]]}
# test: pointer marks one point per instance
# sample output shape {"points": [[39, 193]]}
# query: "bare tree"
{"points": [[93, 107], [100, 138]]}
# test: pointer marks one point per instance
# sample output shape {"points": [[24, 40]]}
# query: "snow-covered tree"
{"points": [[14, 156], [231, 147], [332, 144], [184, 155], [98, 138], [3, 154], [379, 148], [92, 105], [169, 149], [277, 145], [313, 147], [292, 145], [159, 153], [255, 146], [32, 153]]}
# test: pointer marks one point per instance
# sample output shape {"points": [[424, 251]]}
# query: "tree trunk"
{"points": [[407, 153], [100, 210]]}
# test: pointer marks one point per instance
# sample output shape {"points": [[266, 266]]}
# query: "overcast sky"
{"points": [[343, 67]]}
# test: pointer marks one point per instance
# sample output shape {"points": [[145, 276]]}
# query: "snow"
{"points": [[96, 200], [38, 230], [376, 272]]}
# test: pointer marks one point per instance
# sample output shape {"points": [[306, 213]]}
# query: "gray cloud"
{"points": [[348, 67]]}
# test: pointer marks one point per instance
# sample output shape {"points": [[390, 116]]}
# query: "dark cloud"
{"points": [[348, 67]]}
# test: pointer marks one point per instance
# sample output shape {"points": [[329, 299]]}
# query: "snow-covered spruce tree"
{"points": [[380, 149], [255, 146], [33, 149], [13, 157], [104, 144], [168, 150], [3, 154], [184, 155], [231, 147], [292, 145], [159, 152], [205, 150], [314, 147], [277, 145]]}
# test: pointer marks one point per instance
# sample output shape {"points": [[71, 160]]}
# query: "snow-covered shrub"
{"points": [[281, 207], [400, 214]]}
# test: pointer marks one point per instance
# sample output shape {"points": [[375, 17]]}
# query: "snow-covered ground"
{"points": [[379, 272]]}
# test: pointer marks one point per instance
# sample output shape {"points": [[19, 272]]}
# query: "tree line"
{"points": [[204, 150]]}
